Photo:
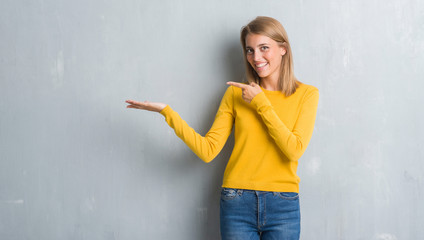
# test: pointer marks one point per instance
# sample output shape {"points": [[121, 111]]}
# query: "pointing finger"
{"points": [[239, 85]]}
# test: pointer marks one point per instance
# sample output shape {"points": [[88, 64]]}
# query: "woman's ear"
{"points": [[283, 51]]}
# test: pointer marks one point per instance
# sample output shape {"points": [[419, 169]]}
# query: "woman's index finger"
{"points": [[239, 85]]}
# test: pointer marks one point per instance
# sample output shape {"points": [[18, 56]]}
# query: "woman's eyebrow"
{"points": [[259, 45]]}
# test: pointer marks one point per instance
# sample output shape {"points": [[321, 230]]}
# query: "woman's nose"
{"points": [[257, 56]]}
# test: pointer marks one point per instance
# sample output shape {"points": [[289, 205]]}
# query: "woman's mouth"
{"points": [[260, 66]]}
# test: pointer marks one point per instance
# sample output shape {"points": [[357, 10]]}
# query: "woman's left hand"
{"points": [[248, 91], [146, 105]]}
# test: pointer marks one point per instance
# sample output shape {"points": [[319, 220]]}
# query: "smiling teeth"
{"points": [[261, 65]]}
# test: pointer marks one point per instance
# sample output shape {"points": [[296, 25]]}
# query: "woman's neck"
{"points": [[269, 84]]}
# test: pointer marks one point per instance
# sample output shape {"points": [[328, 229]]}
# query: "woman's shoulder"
{"points": [[231, 92], [304, 88], [234, 90]]}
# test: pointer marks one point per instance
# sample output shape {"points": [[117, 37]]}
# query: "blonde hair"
{"points": [[267, 26]]}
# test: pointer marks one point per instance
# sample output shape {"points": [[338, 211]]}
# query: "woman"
{"points": [[273, 116]]}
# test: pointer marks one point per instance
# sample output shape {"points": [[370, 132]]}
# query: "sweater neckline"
{"points": [[271, 91], [275, 92]]}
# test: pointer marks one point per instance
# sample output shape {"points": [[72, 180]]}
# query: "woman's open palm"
{"points": [[146, 105]]}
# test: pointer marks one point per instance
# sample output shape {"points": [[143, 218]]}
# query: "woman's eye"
{"points": [[249, 51], [263, 48]]}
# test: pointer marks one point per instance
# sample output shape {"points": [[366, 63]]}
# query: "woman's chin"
{"points": [[262, 74]]}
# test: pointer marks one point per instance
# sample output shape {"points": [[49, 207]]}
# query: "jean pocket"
{"points": [[288, 195], [229, 193]]}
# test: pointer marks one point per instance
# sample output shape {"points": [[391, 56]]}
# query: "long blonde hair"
{"points": [[267, 26]]}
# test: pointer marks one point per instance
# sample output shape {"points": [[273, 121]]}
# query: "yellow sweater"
{"points": [[271, 134]]}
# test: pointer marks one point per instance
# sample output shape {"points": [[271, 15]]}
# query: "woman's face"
{"points": [[264, 55]]}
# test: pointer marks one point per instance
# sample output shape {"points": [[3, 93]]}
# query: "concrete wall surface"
{"points": [[76, 164]]}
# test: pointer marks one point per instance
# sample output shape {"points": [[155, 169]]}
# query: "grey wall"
{"points": [[76, 164]]}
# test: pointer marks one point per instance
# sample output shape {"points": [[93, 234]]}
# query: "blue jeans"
{"points": [[254, 215]]}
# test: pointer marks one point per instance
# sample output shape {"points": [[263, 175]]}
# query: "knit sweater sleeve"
{"points": [[205, 147], [293, 142]]}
